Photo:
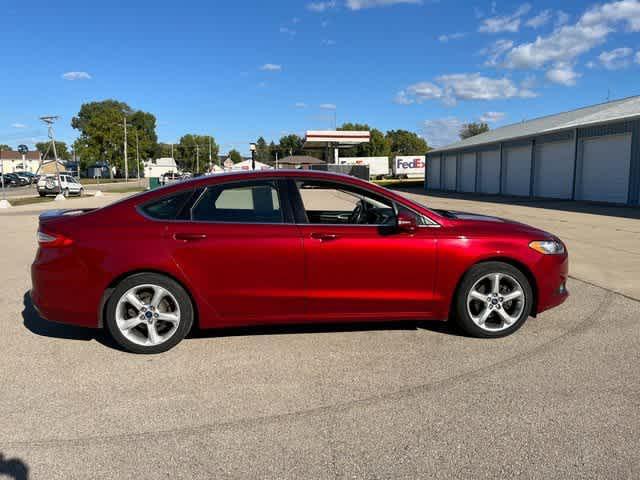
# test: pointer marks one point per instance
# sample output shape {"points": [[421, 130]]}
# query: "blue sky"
{"points": [[238, 70]]}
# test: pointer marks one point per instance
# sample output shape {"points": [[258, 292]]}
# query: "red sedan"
{"points": [[287, 247]]}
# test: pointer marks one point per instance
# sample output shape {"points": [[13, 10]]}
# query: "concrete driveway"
{"points": [[560, 399]]}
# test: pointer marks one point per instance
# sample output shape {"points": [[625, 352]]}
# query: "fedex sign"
{"points": [[412, 166]]}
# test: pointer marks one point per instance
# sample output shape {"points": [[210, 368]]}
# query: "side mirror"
{"points": [[406, 223]]}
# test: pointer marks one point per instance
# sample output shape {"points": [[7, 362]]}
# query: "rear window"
{"points": [[168, 208]]}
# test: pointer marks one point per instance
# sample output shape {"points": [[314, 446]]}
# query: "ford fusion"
{"points": [[287, 247]]}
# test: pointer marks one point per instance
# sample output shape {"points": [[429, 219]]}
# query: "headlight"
{"points": [[548, 247]]}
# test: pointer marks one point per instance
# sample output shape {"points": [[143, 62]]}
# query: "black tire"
{"points": [[461, 314], [42, 194], [65, 192], [182, 297]]}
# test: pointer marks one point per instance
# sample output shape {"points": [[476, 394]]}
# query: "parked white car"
{"points": [[48, 185]]}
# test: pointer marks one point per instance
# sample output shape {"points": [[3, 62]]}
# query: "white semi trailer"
{"points": [[409, 166], [378, 166]]}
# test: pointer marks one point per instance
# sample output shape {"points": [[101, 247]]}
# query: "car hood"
{"points": [[487, 225]]}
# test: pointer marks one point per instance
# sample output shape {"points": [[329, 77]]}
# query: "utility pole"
{"points": [[137, 156], [197, 158], [126, 163], [172, 151], [210, 165]]}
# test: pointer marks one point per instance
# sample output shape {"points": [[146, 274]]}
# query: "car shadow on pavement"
{"points": [[36, 324], [13, 468], [446, 328]]}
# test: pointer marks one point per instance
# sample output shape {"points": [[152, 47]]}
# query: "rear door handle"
{"points": [[189, 237], [324, 237]]}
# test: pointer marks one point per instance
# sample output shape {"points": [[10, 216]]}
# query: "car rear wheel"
{"points": [[494, 300], [149, 313]]}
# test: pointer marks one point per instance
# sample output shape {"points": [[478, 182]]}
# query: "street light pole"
{"points": [[252, 147], [137, 156], [126, 163]]}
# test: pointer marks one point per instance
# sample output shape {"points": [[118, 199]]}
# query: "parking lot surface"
{"points": [[559, 399]]}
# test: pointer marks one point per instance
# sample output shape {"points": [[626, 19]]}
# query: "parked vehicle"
{"points": [[287, 246], [28, 176], [378, 166], [409, 166], [48, 185], [15, 180], [10, 180]]}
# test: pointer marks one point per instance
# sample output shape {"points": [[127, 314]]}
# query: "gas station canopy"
{"points": [[324, 139]]}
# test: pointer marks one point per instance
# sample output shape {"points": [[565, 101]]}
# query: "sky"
{"points": [[242, 69]]}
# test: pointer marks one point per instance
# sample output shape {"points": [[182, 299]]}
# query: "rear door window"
{"points": [[246, 202]]}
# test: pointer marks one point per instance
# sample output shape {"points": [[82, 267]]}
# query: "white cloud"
{"points": [[361, 4], [562, 18], [637, 57], [568, 42], [441, 131], [492, 117], [495, 51], [271, 67], [563, 74], [505, 23], [18, 125], [539, 20], [287, 31], [616, 59], [451, 36], [464, 86], [300, 105], [328, 106], [321, 6], [76, 76]]}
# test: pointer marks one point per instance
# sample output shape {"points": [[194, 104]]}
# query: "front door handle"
{"points": [[324, 237], [189, 237]]}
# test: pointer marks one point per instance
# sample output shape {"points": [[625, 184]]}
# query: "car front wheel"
{"points": [[149, 313], [493, 300]]}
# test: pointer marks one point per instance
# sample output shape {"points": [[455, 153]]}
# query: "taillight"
{"points": [[53, 240]]}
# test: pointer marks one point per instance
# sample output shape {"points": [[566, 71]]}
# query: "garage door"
{"points": [[489, 181], [553, 176], [605, 169], [517, 170], [433, 173], [468, 173], [450, 173]]}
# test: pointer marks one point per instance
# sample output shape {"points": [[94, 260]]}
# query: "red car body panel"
{"points": [[241, 274]]}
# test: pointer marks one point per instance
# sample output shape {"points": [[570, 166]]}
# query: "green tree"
{"points": [[235, 156], [102, 133], [378, 145], [403, 142], [192, 152], [61, 150], [4, 147], [263, 151], [290, 145], [474, 128]]}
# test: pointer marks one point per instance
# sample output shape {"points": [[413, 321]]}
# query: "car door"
{"points": [[365, 269], [241, 249]]}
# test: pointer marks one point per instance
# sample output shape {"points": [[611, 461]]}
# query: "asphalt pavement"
{"points": [[559, 399]]}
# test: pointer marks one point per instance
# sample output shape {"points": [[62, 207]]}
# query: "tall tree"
{"points": [[474, 128], [403, 142], [290, 145], [101, 126], [378, 145], [4, 147], [61, 150], [263, 152], [192, 152], [235, 156]]}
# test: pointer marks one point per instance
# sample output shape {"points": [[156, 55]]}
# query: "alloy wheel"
{"points": [[496, 302], [147, 315]]}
